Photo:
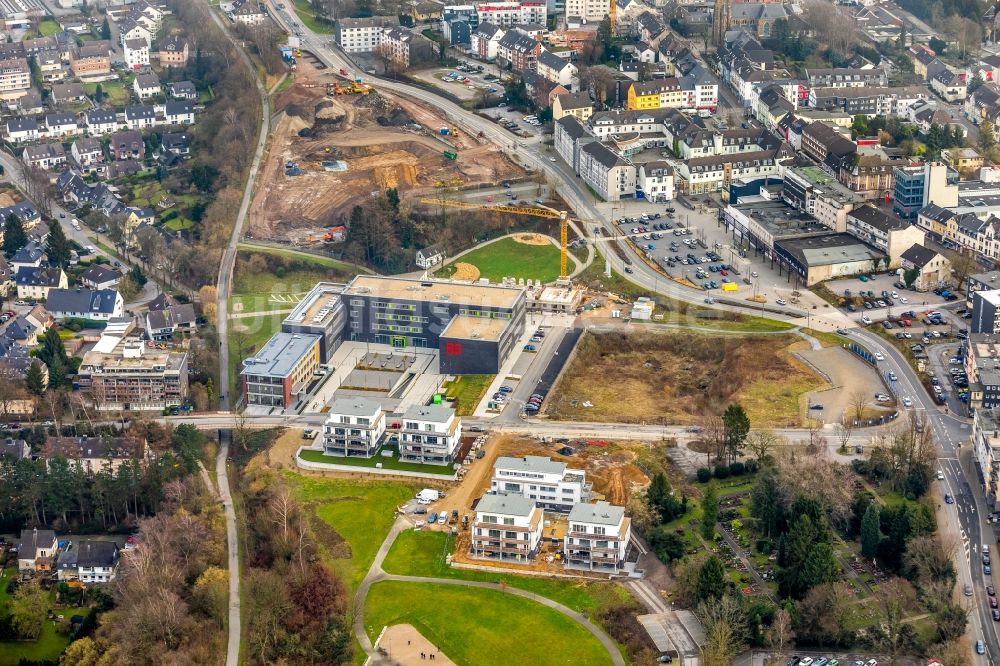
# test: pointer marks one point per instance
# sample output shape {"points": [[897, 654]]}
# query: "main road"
{"points": [[949, 430]]}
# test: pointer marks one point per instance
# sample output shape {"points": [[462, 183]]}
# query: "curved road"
{"points": [[376, 574], [949, 430]]}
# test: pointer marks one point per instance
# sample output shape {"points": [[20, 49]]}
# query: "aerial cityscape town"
{"points": [[594, 332]]}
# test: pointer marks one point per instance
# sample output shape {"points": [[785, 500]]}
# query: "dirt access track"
{"points": [[384, 141]]}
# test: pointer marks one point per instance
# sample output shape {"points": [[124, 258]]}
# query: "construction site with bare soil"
{"points": [[334, 142]]}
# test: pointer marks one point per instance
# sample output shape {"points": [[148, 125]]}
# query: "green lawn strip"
{"points": [[246, 336], [329, 262], [285, 83], [49, 644], [387, 463], [508, 258], [475, 626], [360, 511], [305, 12], [292, 282], [466, 392], [48, 27], [422, 553], [828, 339]]}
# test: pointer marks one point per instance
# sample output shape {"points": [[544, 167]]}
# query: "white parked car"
{"points": [[879, 357], [907, 402], [781, 301]]}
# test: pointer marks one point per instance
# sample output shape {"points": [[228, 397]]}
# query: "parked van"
{"points": [[76, 224]]}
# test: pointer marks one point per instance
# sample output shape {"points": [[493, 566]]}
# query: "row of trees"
{"points": [[171, 594], [297, 605], [63, 495]]}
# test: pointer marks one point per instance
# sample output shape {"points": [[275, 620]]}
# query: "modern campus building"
{"points": [[281, 369], [507, 527], [430, 435], [355, 427], [475, 327], [597, 537], [549, 483]]}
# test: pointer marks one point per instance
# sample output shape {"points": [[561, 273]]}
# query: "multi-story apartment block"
{"points": [[91, 60], [95, 454], [506, 14], [173, 51], [578, 105], [136, 53], [430, 435], [15, 78], [889, 234], [597, 537], [656, 181], [44, 155], [814, 191], [405, 48], [986, 448], [610, 175], [982, 366], [362, 35], [985, 312], [354, 428], [549, 483], [933, 268], [122, 372], [506, 527], [979, 282], [659, 94], [590, 11], [485, 40], [846, 77]]}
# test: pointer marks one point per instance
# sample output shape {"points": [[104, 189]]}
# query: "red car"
{"points": [[993, 602], [723, 272]]}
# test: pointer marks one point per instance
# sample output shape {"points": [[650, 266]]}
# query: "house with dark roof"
{"points": [[61, 124], [24, 211], [173, 51], [568, 137], [44, 156], [932, 268], [101, 121], [885, 231], [578, 105], [19, 130], [100, 276], [178, 112], [950, 85], [87, 152], [140, 117], [93, 454], [610, 175], [29, 256], [100, 305], [127, 145], [183, 90], [67, 93], [147, 85], [36, 550], [430, 256], [38, 282], [557, 69], [176, 143], [89, 561], [162, 324], [17, 449]]}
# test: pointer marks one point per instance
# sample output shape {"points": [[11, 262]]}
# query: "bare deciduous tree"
{"points": [[858, 403], [760, 443]]}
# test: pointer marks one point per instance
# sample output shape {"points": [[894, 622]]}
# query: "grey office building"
{"points": [[985, 306]]}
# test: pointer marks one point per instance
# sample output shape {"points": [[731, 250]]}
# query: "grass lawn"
{"points": [[118, 94], [466, 392], [327, 262], [285, 83], [508, 258], [179, 223], [360, 511], [475, 626], [48, 27], [387, 463], [422, 553], [305, 11], [246, 336], [50, 643]]}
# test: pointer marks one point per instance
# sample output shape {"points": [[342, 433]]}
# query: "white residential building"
{"points": [[507, 527], [597, 537], [355, 427], [610, 175], [485, 41], [430, 435], [558, 70], [89, 562], [147, 85], [15, 78], [986, 448], [362, 35], [19, 130], [549, 483], [505, 14], [136, 53], [593, 11]]}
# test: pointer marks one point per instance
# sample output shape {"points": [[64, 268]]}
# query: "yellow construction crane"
{"points": [[548, 213], [611, 16]]}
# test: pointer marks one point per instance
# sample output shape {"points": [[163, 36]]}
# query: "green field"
{"points": [[466, 392], [508, 258], [476, 626], [50, 643], [422, 553], [118, 94], [361, 512], [304, 10], [48, 27], [387, 463]]}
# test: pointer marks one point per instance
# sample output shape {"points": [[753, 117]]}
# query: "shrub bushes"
{"points": [[737, 469], [722, 471], [704, 475]]}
